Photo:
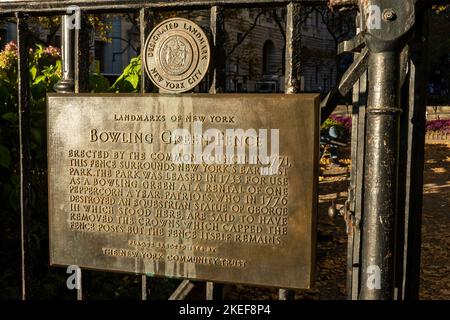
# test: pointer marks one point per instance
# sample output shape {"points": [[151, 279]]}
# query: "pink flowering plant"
{"points": [[440, 126], [341, 123], [44, 71]]}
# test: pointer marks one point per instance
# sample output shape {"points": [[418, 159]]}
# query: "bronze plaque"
{"points": [[210, 187], [177, 55]]}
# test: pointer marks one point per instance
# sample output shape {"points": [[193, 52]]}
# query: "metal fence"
{"points": [[379, 120]]}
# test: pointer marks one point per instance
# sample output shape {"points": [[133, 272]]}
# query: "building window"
{"points": [[99, 56], [268, 57]]}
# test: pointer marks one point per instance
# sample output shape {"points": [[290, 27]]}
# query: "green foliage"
{"points": [[130, 79], [5, 157], [98, 83], [44, 72], [101, 24]]}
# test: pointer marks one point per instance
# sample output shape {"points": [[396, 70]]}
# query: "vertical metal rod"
{"points": [[82, 54], [286, 294], [69, 45], [146, 23], [217, 23], [293, 48], [25, 156], [292, 77], [80, 289], [356, 177], [66, 84], [416, 124], [144, 287], [381, 169], [358, 152], [403, 176], [209, 290], [81, 68]]}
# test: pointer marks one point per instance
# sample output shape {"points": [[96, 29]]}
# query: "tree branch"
{"points": [[245, 35]]}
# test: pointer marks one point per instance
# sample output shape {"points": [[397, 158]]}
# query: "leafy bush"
{"points": [[346, 122], [45, 72], [130, 79]]}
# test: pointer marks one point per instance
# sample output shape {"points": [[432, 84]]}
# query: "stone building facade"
{"points": [[255, 49]]}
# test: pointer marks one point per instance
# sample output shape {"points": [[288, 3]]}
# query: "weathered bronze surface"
{"points": [[177, 55], [119, 200]]}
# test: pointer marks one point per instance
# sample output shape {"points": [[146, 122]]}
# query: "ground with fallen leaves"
{"points": [[435, 266]]}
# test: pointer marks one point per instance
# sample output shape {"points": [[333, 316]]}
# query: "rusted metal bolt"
{"points": [[389, 15]]}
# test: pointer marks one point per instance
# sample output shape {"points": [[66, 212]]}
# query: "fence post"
{"points": [[356, 188], [82, 55], [146, 23], [382, 148], [70, 42], [292, 76], [25, 155], [219, 56], [293, 48], [413, 144], [217, 25]]}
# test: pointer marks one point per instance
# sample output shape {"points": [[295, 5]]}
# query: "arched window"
{"points": [[269, 58]]}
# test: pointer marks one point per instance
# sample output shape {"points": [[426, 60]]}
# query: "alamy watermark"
{"points": [[374, 277], [74, 280], [73, 17], [232, 146], [373, 17]]}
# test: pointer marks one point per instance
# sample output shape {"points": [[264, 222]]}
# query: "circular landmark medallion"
{"points": [[177, 55]]}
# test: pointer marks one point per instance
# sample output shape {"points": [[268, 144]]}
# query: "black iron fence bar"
{"points": [[57, 7], [293, 48], [412, 163], [25, 154], [217, 25], [218, 84], [145, 24], [81, 79], [356, 189], [82, 54], [60, 6], [292, 74]]}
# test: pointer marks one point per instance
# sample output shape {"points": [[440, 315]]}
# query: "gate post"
{"points": [[382, 144], [383, 121]]}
